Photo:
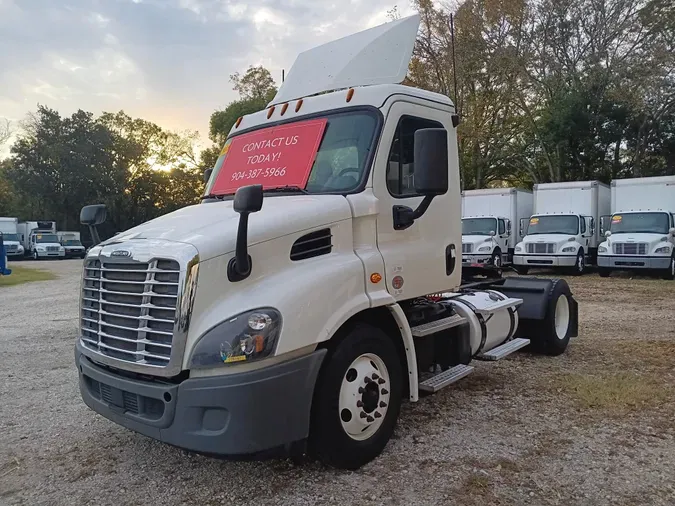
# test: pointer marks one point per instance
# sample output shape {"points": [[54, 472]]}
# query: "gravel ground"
{"points": [[592, 427]]}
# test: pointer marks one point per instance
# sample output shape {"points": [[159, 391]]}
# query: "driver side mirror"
{"points": [[508, 228], [523, 226], [604, 225], [672, 232], [92, 216]]}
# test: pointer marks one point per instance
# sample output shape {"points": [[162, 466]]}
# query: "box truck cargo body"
{"points": [[563, 231], [488, 217], [11, 238], [641, 230]]}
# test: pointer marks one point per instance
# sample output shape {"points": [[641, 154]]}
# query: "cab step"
{"points": [[432, 327], [445, 378], [504, 350], [499, 306]]}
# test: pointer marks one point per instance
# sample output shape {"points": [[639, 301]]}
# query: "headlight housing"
{"points": [[519, 248], [663, 250], [247, 337], [602, 249], [484, 248], [569, 249]]}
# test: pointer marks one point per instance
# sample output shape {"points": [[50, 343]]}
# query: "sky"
{"points": [[167, 61]]}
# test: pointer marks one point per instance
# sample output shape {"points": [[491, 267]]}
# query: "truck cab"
{"points": [[13, 246], [71, 244], [640, 233], [484, 239], [317, 284]]}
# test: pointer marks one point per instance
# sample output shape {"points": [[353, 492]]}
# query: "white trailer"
{"points": [[563, 231], [40, 240], [11, 238], [72, 244], [641, 231], [315, 287], [488, 216]]}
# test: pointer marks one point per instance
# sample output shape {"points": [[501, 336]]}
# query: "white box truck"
{"points": [[72, 244], [563, 231], [315, 286], [9, 229], [40, 240], [489, 236], [641, 231]]}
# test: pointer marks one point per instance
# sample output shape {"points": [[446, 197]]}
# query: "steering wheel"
{"points": [[347, 170]]}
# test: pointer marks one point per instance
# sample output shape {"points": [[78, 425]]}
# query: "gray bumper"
{"points": [[545, 260], [633, 262], [249, 413]]}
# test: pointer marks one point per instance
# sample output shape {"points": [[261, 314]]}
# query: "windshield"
{"points": [[635, 223], [287, 157], [479, 226], [562, 224], [71, 242], [43, 238], [10, 237]]}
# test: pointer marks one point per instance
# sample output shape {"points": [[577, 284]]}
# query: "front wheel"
{"points": [[580, 264], [670, 272], [603, 272], [357, 399], [35, 255]]}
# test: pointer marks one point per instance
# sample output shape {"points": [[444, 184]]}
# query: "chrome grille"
{"points": [[541, 247], [467, 247], [11, 247], [52, 248], [129, 309], [630, 248]]}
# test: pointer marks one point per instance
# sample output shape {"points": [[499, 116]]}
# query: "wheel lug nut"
{"points": [[370, 419], [377, 415], [367, 379], [359, 404], [385, 391], [363, 414], [361, 390], [383, 404], [375, 376], [381, 381]]}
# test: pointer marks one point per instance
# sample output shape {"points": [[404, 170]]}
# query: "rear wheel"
{"points": [[670, 272], [551, 335], [357, 399]]}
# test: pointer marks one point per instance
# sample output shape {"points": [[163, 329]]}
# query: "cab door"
{"points": [[424, 258]]}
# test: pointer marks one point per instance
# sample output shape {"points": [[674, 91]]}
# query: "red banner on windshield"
{"points": [[273, 157]]}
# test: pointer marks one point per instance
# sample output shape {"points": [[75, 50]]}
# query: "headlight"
{"points": [[663, 250], [247, 337], [484, 248], [519, 248], [569, 249], [602, 249], [40, 248]]}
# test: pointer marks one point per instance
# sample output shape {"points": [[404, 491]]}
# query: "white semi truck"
{"points": [[641, 231], [12, 240], [72, 244], [488, 215], [40, 240], [316, 285], [564, 229]]}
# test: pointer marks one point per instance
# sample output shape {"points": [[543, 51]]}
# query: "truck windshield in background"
{"points": [[635, 223], [479, 226], [10, 237], [319, 155], [46, 238], [71, 242], [562, 224]]}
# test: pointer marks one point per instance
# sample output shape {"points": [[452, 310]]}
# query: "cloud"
{"points": [[168, 61]]}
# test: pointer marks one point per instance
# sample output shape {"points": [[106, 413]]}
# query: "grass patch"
{"points": [[21, 275], [619, 392]]}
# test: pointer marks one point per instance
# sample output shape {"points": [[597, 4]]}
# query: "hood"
{"points": [[212, 227], [558, 239], [476, 239], [637, 237]]}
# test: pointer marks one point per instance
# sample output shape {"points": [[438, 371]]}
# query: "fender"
{"points": [[409, 346]]}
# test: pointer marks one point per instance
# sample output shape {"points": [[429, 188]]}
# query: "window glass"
{"points": [[502, 227]]}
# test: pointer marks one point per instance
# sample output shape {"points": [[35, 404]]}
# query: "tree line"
{"points": [[547, 90]]}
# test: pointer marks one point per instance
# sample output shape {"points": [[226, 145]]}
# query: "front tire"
{"points": [[580, 264], [522, 269], [669, 275], [604, 272], [496, 259], [551, 335], [36, 256], [357, 399]]}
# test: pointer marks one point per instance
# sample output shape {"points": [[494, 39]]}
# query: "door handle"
{"points": [[450, 259]]}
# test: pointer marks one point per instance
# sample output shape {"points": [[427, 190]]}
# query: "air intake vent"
{"points": [[312, 245]]}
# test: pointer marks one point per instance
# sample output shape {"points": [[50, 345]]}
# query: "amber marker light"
{"points": [[375, 278]]}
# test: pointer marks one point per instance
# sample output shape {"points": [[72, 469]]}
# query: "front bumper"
{"points": [[473, 259], [14, 254], [266, 411], [545, 260], [73, 253], [51, 254], [633, 262]]}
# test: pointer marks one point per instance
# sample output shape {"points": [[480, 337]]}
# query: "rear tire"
{"points": [[552, 334], [354, 414], [669, 275]]}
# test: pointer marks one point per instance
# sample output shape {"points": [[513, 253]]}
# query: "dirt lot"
{"points": [[593, 427]]}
